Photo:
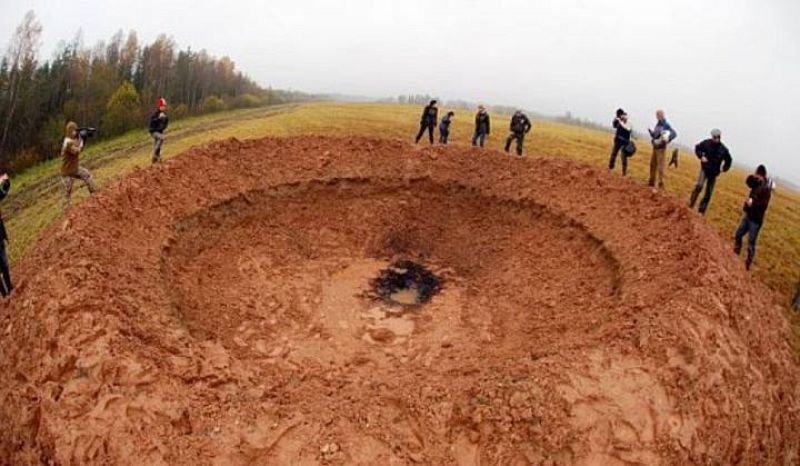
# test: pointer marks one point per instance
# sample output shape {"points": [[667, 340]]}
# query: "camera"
{"points": [[87, 132]]}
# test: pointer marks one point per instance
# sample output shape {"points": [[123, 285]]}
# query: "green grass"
{"points": [[34, 202]]}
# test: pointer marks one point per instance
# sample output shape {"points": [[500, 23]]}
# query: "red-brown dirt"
{"points": [[215, 310]]}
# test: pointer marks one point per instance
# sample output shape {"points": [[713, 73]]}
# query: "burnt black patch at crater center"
{"points": [[406, 283]]}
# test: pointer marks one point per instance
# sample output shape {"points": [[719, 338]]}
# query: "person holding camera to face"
{"points": [[5, 273], [622, 138], [754, 208], [74, 140]]}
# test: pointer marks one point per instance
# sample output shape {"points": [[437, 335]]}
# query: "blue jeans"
{"points": [[751, 229], [5, 274], [478, 138]]}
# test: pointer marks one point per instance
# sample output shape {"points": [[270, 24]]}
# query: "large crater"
{"points": [[290, 267], [221, 310]]}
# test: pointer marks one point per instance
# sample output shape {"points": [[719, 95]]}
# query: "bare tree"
{"points": [[21, 55]]}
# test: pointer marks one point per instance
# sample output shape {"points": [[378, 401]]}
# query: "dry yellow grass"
{"points": [[36, 191]]}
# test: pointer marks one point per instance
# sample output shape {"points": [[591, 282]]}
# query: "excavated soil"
{"points": [[220, 310]]}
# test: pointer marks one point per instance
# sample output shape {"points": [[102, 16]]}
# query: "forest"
{"points": [[112, 86]]}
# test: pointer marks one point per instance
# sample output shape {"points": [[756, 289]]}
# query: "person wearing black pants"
{"points": [[622, 137], [5, 272], [483, 127], [444, 128], [430, 115], [714, 159], [520, 126]]}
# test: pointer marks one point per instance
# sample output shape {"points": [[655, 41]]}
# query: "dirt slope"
{"points": [[214, 311]]}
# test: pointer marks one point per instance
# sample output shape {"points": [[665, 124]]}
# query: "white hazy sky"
{"points": [[732, 64]]}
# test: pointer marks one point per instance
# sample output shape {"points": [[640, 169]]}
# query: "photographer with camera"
{"points": [[5, 273], [158, 125], [74, 140], [622, 141]]}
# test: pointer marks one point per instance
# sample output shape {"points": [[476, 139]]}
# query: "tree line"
{"points": [[111, 86]]}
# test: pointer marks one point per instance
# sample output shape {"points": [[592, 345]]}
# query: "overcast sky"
{"points": [[732, 64]]}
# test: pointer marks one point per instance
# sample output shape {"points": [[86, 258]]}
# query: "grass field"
{"points": [[34, 202]]}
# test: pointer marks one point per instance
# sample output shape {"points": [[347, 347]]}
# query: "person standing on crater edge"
{"points": [[444, 127], [158, 125], [482, 126], [714, 159], [661, 136], [520, 125], [70, 164], [5, 272], [754, 209], [622, 136], [430, 115]]}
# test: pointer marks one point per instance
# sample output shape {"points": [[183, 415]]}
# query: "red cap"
{"points": [[162, 102]]}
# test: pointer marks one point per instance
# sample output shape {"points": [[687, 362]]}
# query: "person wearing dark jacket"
{"points": [[483, 126], [754, 209], [622, 136], [444, 127], [158, 125], [714, 159], [520, 126], [5, 272], [430, 115]]}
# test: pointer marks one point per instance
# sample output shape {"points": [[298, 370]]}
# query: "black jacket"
{"points": [[760, 193], [719, 159], [430, 115], [158, 122], [444, 125], [482, 123], [5, 187], [622, 134], [520, 124]]}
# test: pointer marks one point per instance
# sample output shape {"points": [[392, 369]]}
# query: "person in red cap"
{"points": [[158, 124]]}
